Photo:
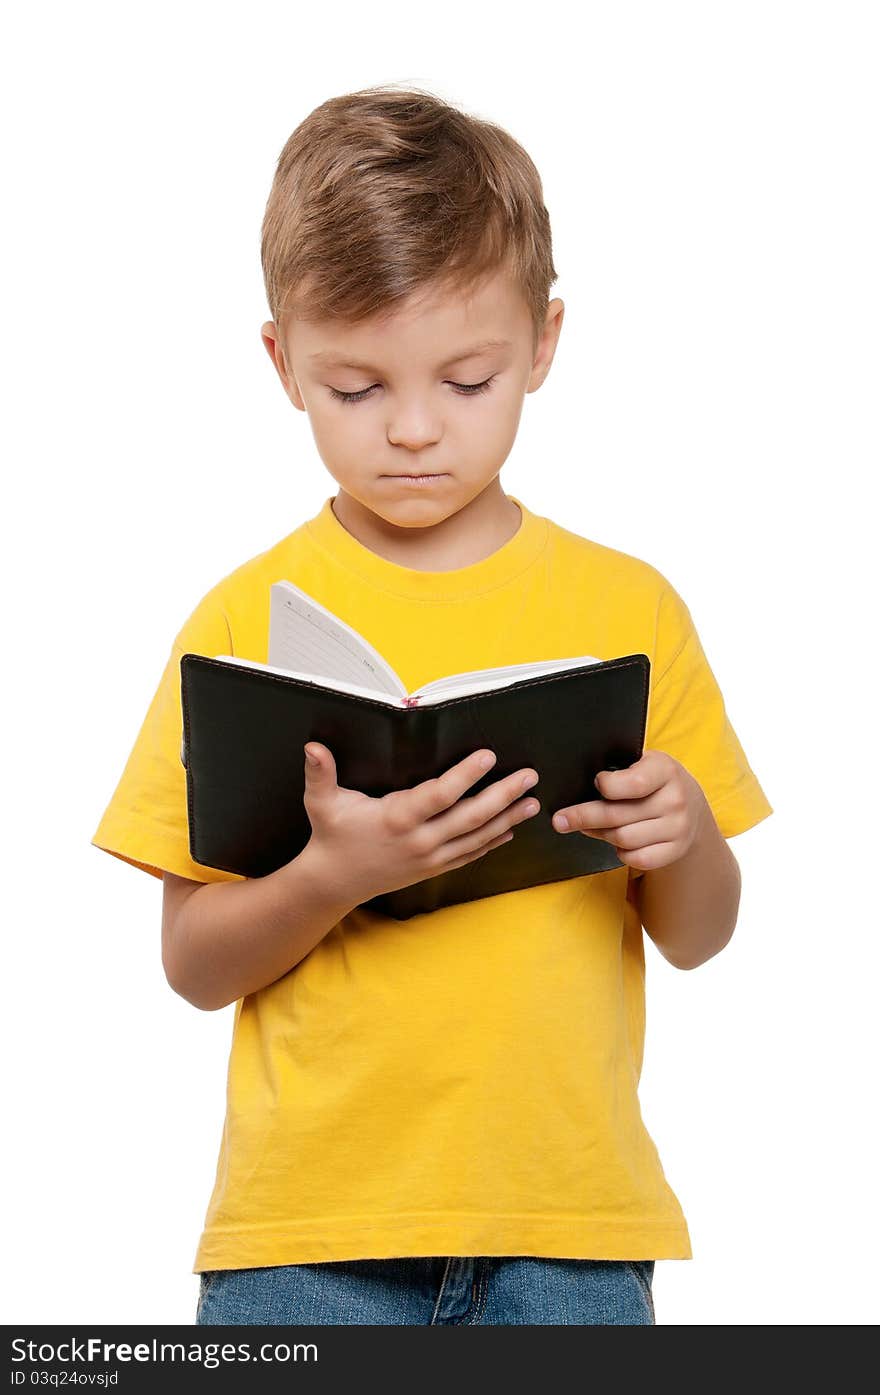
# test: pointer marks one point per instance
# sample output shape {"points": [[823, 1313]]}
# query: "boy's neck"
{"points": [[468, 536]]}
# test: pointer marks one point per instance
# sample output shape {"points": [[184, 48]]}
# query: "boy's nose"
{"points": [[413, 431]]}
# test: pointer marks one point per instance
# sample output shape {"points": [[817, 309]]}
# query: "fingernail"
{"points": [[528, 781], [312, 760], [561, 823], [487, 760]]}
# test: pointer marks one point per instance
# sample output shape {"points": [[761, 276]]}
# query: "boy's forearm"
{"points": [[689, 908], [232, 938]]}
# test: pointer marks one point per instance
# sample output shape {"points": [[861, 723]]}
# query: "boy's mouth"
{"points": [[425, 477]]}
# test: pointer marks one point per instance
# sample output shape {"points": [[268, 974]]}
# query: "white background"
{"points": [[711, 175]]}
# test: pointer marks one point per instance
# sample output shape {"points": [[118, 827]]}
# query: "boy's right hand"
{"points": [[372, 846]]}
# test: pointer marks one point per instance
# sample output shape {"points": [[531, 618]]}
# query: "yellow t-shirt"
{"points": [[463, 1082]]}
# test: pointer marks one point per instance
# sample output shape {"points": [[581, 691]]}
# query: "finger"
{"points": [[476, 836], [614, 836], [635, 781], [438, 796], [647, 858], [433, 796], [604, 813], [636, 836], [632, 840], [582, 818], [607, 813], [617, 837], [479, 851], [491, 811]]}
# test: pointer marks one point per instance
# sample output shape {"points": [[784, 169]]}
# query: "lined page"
{"points": [[335, 685], [305, 637]]}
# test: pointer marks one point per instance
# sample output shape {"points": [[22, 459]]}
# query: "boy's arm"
{"points": [[222, 940], [689, 908], [657, 818]]}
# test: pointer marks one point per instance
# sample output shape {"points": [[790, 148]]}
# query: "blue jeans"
{"points": [[449, 1291]]}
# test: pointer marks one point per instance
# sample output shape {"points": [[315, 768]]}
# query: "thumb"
{"points": [[319, 763]]}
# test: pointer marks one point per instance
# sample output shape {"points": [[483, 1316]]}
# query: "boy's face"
{"points": [[411, 415]]}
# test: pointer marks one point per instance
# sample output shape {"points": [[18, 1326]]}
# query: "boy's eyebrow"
{"points": [[328, 359]]}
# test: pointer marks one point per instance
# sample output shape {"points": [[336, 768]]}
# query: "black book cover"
{"points": [[243, 735]]}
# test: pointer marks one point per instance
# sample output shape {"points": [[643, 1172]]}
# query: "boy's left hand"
{"points": [[651, 812]]}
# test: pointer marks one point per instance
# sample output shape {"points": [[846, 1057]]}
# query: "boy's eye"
{"points": [[466, 389]]}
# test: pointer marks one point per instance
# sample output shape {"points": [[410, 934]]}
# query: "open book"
{"points": [[307, 641], [245, 724]]}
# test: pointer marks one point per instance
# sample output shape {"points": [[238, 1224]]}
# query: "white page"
{"points": [[333, 685], [440, 691], [480, 680], [307, 638]]}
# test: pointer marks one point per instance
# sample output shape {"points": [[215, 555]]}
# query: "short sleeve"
{"points": [[687, 718], [146, 821]]}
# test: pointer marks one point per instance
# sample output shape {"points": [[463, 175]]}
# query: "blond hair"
{"points": [[386, 191]]}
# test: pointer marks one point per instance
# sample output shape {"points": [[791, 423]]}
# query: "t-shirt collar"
{"points": [[500, 567]]}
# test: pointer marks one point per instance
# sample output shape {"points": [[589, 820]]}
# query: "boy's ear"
{"points": [[547, 344], [275, 349], [270, 337]]}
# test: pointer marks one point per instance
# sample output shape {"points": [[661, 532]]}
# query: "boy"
{"points": [[436, 1120]]}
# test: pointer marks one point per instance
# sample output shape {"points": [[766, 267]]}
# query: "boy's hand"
{"points": [[366, 846], [651, 812]]}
